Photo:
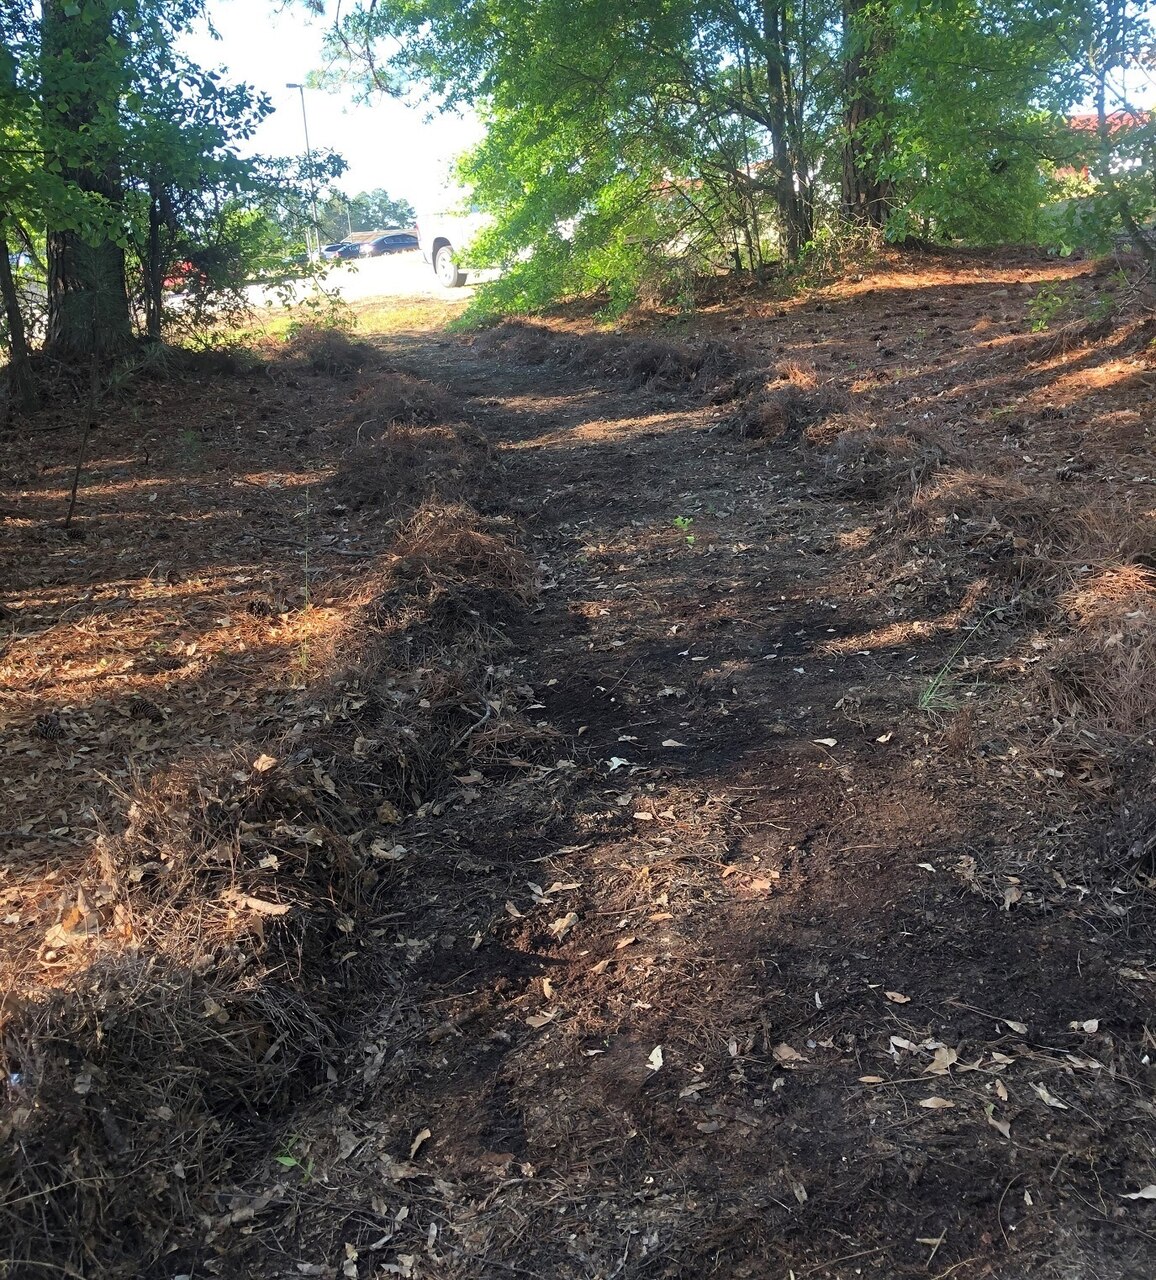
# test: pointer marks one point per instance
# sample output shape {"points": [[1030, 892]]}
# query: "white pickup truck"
{"points": [[444, 239]]}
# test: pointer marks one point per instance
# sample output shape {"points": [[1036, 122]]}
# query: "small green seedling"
{"points": [[683, 525], [287, 1160]]}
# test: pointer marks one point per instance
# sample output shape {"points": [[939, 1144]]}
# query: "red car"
{"points": [[183, 274]]}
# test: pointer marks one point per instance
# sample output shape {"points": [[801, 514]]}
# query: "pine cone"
{"points": [[143, 709], [48, 726]]}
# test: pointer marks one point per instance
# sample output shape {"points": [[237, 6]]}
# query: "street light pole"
{"points": [[309, 163]]}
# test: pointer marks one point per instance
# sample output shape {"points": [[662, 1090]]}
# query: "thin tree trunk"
{"points": [[154, 269], [786, 193], [21, 387], [1142, 241]]}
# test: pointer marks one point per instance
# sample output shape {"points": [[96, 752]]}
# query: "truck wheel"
{"points": [[446, 269]]}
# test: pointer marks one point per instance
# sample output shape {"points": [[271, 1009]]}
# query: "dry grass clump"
{"points": [[863, 460], [190, 1007], [521, 342], [141, 1091], [328, 350], [658, 362], [976, 507], [1100, 537], [398, 468], [1102, 675], [450, 543], [408, 443], [398, 396], [652, 362], [779, 406]]}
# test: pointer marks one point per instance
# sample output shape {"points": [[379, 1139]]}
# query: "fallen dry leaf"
{"points": [[783, 1054], [1041, 1092], [1002, 1127], [419, 1138], [539, 1020], [825, 742], [1020, 1028], [943, 1061], [935, 1103], [654, 1061], [264, 763], [562, 926], [1145, 1193], [897, 997], [870, 1079]]}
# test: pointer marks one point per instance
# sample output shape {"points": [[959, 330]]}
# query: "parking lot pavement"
{"points": [[392, 275]]}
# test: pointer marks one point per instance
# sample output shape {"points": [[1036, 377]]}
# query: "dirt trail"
{"points": [[802, 941], [780, 975]]}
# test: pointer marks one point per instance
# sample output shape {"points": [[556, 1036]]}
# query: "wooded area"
{"points": [[622, 151]]}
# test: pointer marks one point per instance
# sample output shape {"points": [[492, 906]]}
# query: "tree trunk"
{"points": [[866, 196], [154, 268], [88, 310], [21, 389]]}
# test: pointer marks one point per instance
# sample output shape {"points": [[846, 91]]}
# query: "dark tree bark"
{"points": [[866, 196], [88, 309], [21, 387], [792, 180], [154, 266]]}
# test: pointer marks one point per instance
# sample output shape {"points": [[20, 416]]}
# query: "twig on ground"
{"points": [[300, 546]]}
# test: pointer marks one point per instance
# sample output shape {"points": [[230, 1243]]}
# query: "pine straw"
{"points": [[401, 465], [778, 406], [204, 974], [860, 459], [328, 350], [452, 543], [1101, 677], [398, 396], [639, 362], [407, 443]]}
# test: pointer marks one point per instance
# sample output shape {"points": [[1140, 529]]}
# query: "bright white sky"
{"points": [[388, 144]]}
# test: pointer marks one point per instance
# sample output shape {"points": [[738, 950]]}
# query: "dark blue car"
{"points": [[390, 242]]}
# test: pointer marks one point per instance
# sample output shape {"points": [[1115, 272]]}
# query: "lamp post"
{"points": [[309, 163]]}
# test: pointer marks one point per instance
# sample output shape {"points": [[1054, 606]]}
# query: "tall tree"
{"points": [[83, 75], [866, 192]]}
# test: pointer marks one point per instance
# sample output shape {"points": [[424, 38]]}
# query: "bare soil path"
{"points": [[787, 978]]}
